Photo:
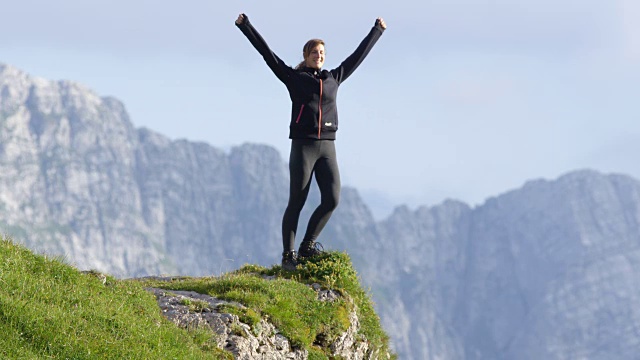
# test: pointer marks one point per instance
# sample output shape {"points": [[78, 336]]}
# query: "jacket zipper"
{"points": [[320, 111], [300, 114]]}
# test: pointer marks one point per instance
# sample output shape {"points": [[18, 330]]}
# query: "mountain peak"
{"points": [[20, 89]]}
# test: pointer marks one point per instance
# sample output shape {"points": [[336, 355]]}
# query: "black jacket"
{"points": [[314, 114]]}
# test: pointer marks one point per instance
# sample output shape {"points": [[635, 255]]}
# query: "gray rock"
{"points": [[261, 342]]}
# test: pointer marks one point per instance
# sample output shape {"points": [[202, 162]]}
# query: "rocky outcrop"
{"points": [[260, 342], [191, 310]]}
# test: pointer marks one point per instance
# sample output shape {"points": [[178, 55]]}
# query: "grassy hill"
{"points": [[51, 310]]}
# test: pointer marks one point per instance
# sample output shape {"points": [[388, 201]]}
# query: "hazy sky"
{"points": [[459, 99]]}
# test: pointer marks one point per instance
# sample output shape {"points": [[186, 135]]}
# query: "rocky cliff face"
{"points": [[67, 172], [546, 271], [79, 180]]}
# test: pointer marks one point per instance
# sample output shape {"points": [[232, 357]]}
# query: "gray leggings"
{"points": [[310, 157]]}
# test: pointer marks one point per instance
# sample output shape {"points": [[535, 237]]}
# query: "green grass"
{"points": [[50, 310]]}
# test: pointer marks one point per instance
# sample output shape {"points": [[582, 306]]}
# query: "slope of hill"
{"points": [[51, 310]]}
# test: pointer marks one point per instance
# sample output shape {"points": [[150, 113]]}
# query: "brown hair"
{"points": [[306, 50]]}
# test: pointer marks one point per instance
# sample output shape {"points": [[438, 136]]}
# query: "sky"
{"points": [[459, 99]]}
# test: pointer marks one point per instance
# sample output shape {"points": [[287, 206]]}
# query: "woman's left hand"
{"points": [[241, 19], [380, 21]]}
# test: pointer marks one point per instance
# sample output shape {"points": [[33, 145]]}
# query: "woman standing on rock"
{"points": [[314, 122]]}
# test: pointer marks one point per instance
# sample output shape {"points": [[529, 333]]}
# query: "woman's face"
{"points": [[315, 60]]}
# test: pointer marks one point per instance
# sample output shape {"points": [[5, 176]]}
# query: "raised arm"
{"points": [[278, 66], [349, 65]]}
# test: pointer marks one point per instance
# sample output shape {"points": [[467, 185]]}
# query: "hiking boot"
{"points": [[289, 260], [309, 249]]}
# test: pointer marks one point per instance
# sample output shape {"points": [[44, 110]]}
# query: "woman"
{"points": [[314, 122]]}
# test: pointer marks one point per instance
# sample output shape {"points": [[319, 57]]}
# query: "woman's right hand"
{"points": [[240, 19]]}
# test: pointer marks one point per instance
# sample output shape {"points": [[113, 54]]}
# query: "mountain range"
{"points": [[546, 271]]}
